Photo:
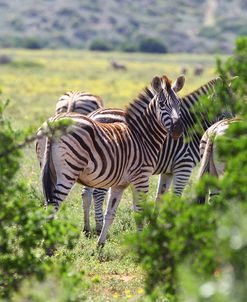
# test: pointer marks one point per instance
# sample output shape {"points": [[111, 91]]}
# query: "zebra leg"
{"points": [[86, 204], [163, 185], [99, 197], [181, 179], [140, 191], [60, 192], [113, 202], [137, 200]]}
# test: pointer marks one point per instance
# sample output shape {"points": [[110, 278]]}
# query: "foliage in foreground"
{"points": [[198, 253], [26, 233]]}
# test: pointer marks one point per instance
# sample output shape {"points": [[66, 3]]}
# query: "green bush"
{"points": [[32, 43], [198, 253], [151, 45], [180, 231], [101, 45], [26, 233], [128, 46]]}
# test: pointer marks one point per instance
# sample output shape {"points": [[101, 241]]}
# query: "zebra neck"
{"points": [[149, 130], [141, 118], [191, 99], [196, 122]]}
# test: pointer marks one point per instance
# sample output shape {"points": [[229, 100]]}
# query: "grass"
{"points": [[34, 81]]}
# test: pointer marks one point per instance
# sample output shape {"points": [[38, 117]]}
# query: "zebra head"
{"points": [[168, 104]]}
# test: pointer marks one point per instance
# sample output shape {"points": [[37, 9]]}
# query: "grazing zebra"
{"points": [[210, 163], [176, 159], [72, 101], [113, 155]]}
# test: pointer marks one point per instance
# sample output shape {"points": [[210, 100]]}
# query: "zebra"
{"points": [[113, 155], [78, 101], [72, 101], [210, 163], [176, 159]]}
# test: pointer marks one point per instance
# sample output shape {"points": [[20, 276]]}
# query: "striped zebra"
{"points": [[210, 162], [72, 101], [176, 159], [78, 101], [113, 155]]}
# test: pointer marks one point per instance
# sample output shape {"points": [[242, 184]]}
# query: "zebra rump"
{"points": [[72, 101], [78, 101], [210, 163]]}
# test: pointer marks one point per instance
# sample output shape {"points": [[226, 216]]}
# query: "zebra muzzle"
{"points": [[177, 129]]}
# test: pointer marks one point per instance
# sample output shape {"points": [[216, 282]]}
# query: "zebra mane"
{"points": [[140, 103], [201, 90]]}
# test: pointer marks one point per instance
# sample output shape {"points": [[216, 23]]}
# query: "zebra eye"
{"points": [[162, 105]]}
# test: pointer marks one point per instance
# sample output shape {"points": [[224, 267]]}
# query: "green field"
{"points": [[33, 81]]}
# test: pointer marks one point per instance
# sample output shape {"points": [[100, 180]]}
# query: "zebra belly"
{"points": [[167, 156], [96, 180]]}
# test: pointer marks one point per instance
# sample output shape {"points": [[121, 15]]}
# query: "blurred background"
{"points": [[197, 26], [111, 48]]}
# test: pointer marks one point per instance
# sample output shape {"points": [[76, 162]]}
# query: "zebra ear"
{"points": [[156, 84], [179, 83]]}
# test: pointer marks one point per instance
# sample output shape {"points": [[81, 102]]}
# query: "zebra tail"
{"points": [[46, 175], [205, 167]]}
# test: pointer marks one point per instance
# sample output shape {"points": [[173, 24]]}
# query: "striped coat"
{"points": [[72, 101], [78, 101], [210, 162], [113, 155], [176, 159]]}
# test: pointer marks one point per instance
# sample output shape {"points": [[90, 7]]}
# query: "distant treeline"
{"points": [[199, 26]]}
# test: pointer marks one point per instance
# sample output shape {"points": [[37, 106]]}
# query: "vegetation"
{"points": [[26, 234], [193, 252], [151, 45], [182, 26], [114, 273], [34, 80], [101, 45]]}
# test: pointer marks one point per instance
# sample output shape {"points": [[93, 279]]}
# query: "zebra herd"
{"points": [[105, 149]]}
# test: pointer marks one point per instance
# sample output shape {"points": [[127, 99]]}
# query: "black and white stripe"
{"points": [[113, 155], [72, 101], [210, 162], [177, 158], [78, 101]]}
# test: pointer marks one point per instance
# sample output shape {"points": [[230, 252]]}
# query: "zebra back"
{"points": [[78, 101], [210, 163], [108, 115], [207, 143], [73, 101]]}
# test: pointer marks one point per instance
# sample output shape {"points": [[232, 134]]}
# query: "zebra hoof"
{"points": [[100, 246], [98, 231], [87, 232], [201, 200], [50, 251]]}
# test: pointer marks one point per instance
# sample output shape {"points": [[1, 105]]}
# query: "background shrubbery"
{"points": [[188, 253], [149, 45], [182, 26]]}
